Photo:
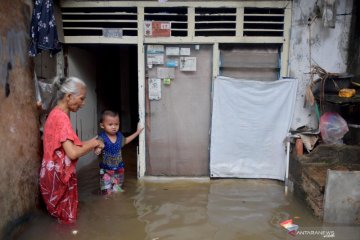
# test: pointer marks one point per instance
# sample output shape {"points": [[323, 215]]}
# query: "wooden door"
{"points": [[179, 122]]}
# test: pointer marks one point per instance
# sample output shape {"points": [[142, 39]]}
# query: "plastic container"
{"points": [[335, 84], [299, 146]]}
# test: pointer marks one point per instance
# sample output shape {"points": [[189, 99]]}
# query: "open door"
{"points": [[110, 73]]}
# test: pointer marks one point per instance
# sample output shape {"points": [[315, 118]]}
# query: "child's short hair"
{"points": [[107, 113]]}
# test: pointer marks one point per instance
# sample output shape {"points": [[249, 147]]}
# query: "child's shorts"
{"points": [[111, 180]]}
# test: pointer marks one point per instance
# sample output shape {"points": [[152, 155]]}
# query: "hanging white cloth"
{"points": [[250, 121]]}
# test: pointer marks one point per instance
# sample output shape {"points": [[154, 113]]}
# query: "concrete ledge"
{"points": [[172, 179]]}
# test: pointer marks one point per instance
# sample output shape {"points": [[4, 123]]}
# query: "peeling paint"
{"points": [[328, 50], [13, 48], [20, 148]]}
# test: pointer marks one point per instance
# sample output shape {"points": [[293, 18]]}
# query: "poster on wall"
{"points": [[172, 63], [185, 51], [165, 72], [188, 64], [155, 54], [112, 32], [154, 88], [157, 29], [155, 59], [172, 51], [155, 49]]}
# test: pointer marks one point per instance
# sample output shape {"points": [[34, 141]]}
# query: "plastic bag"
{"points": [[333, 128], [45, 98]]}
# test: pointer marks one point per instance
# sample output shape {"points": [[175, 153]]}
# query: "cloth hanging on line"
{"points": [[43, 30]]}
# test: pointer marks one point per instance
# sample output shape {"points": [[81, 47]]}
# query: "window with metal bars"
{"points": [[177, 16], [215, 21], [263, 22], [209, 21], [91, 21]]}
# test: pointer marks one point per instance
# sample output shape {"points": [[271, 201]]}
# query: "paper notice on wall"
{"points": [[155, 54], [112, 32], [155, 59], [172, 51], [147, 29], [172, 63], [188, 64], [155, 49], [185, 51], [165, 72], [154, 88]]}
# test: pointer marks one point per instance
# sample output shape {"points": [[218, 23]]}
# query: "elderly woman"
{"points": [[62, 148]]}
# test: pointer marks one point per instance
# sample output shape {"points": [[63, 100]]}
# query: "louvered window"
{"points": [[263, 22], [215, 21], [177, 16], [254, 61], [92, 21], [192, 21]]}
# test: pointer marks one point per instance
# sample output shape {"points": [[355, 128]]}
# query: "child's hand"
{"points": [[139, 128], [97, 151]]}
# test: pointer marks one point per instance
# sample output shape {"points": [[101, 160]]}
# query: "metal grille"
{"points": [[177, 16], [215, 21], [92, 21], [208, 21], [263, 22]]}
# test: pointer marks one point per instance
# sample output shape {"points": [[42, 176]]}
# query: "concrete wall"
{"points": [[328, 48], [45, 66], [354, 43], [19, 129], [82, 64]]}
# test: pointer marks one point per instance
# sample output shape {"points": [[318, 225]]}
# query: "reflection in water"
{"points": [[181, 209], [219, 209]]}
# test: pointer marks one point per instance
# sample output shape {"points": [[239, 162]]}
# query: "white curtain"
{"points": [[250, 121]]}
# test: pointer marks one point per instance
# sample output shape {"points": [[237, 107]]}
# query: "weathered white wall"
{"points": [[82, 64], [19, 120], [328, 50]]}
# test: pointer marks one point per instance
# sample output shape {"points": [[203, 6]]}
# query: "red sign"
{"points": [[157, 29]]}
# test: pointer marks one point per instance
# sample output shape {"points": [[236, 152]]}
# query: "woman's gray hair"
{"points": [[69, 85], [62, 86]]}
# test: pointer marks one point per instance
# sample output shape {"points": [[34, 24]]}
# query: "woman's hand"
{"points": [[74, 152], [97, 151], [97, 143], [100, 145]]}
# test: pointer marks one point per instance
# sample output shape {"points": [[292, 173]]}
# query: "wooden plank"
{"points": [[239, 21]]}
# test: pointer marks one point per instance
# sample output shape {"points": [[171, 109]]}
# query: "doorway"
{"points": [[110, 72]]}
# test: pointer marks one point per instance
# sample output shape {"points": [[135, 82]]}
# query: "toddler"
{"points": [[111, 162]]}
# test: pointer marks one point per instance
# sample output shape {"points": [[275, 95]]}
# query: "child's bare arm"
{"points": [[134, 135]]}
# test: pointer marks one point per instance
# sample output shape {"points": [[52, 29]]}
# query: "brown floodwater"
{"points": [[181, 209]]}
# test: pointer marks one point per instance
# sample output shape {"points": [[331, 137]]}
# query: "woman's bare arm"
{"points": [[74, 152]]}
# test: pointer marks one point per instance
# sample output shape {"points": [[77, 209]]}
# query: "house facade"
{"points": [[125, 49]]}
